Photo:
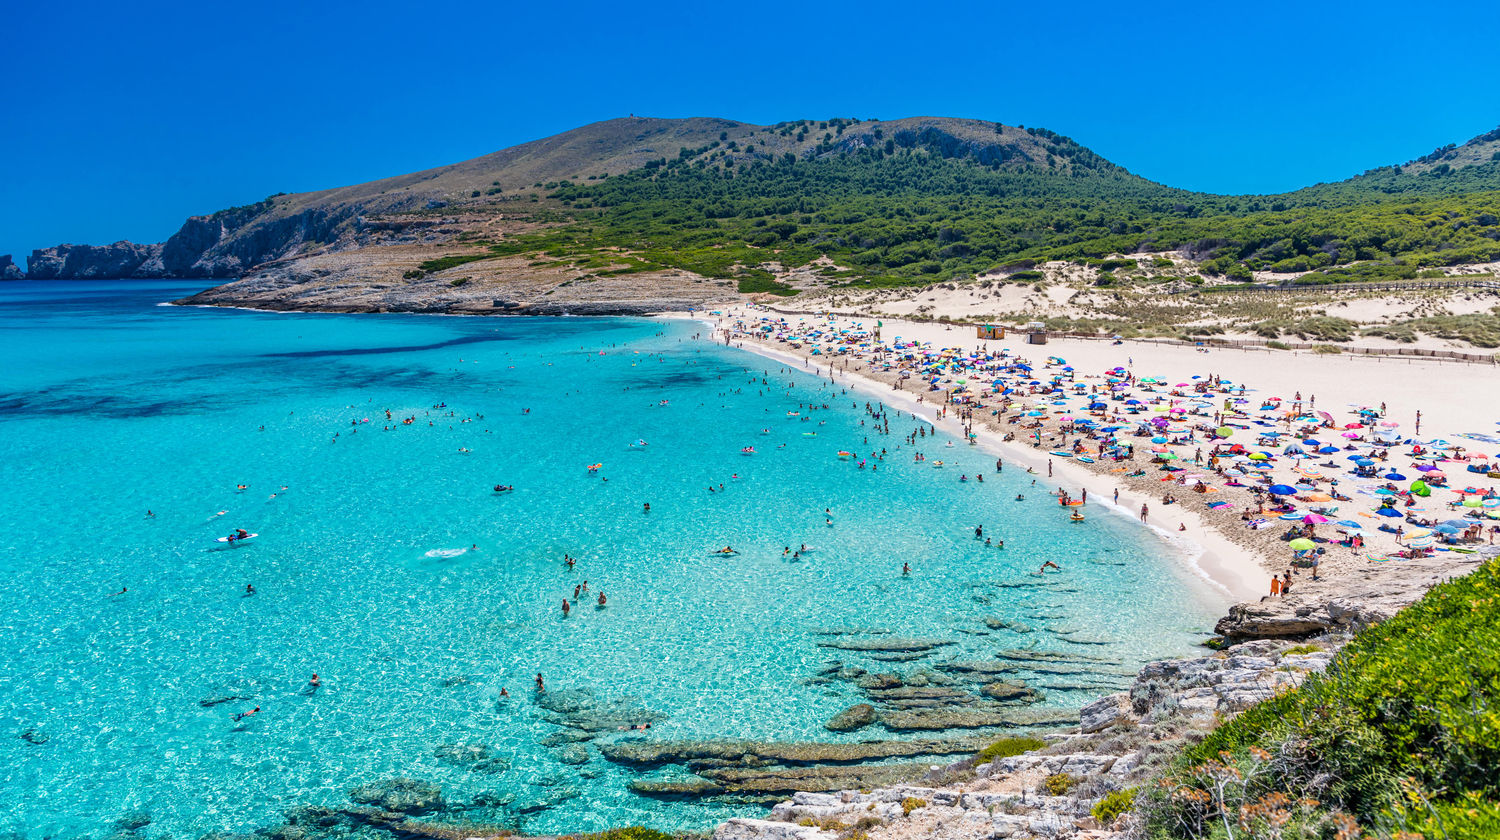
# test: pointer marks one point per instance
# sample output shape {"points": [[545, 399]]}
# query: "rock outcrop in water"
{"points": [[9, 270]]}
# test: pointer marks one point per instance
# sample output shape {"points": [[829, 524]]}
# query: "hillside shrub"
{"points": [[1058, 784], [1115, 803], [1007, 747], [1400, 734]]}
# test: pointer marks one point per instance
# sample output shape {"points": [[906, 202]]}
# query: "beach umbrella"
{"points": [[1364, 462], [1292, 516], [1351, 435], [1314, 519], [1301, 544], [1420, 542], [1328, 450], [1387, 511], [1349, 525], [1258, 456], [1447, 529], [1282, 490], [1426, 467], [1395, 476], [1492, 503], [1317, 497], [1472, 502], [1460, 524]]}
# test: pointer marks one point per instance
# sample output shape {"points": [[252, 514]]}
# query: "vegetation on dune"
{"points": [[1479, 329], [1400, 737]]}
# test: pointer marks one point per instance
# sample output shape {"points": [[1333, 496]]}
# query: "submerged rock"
{"points": [[133, 821], [855, 717], [582, 709], [810, 779], [675, 788], [657, 753], [478, 758], [973, 718], [573, 754], [406, 796], [888, 644], [34, 737], [1010, 692]]}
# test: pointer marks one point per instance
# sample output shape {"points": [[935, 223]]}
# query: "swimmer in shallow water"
{"points": [[239, 716], [1047, 564]]}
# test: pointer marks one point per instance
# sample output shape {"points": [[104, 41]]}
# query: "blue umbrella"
{"points": [[1328, 450], [1364, 462], [1349, 523], [1283, 490], [1385, 511], [1447, 529], [1460, 524], [1395, 476]]}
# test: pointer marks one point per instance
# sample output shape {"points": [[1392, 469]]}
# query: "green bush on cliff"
{"points": [[1402, 733], [1007, 747], [633, 832], [1115, 803]]}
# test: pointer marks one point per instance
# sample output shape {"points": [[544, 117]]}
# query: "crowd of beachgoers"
{"points": [[1302, 490]]}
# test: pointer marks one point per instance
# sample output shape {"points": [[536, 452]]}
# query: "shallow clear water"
{"points": [[113, 405]]}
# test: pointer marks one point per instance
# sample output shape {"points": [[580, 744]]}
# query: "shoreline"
{"points": [[1227, 568], [1238, 561]]}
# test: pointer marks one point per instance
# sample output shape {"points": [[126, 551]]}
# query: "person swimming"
{"points": [[905, 568], [1046, 565], [239, 716], [249, 589], [602, 601]]}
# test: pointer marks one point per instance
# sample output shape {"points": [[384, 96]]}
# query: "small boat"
{"points": [[1085, 459], [232, 540]]}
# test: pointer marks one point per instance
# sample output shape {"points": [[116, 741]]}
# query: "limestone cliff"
{"points": [[9, 270]]}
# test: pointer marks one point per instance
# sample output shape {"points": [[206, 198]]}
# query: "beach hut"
{"points": [[1036, 333], [990, 331]]}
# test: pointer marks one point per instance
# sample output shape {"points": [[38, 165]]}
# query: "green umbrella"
{"points": [[1301, 544]]}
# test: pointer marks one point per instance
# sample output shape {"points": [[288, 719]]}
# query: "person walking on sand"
{"points": [[1144, 511], [1275, 586]]}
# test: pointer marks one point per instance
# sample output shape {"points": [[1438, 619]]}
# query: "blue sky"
{"points": [[126, 118]]}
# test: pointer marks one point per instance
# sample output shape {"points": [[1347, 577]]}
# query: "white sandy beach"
{"points": [[1239, 562]]}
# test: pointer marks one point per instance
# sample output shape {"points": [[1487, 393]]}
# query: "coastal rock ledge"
{"points": [[9, 270]]}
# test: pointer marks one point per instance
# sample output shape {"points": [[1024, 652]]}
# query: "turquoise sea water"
{"points": [[113, 405]]}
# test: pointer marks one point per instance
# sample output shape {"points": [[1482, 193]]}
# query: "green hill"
{"points": [[921, 203]]}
